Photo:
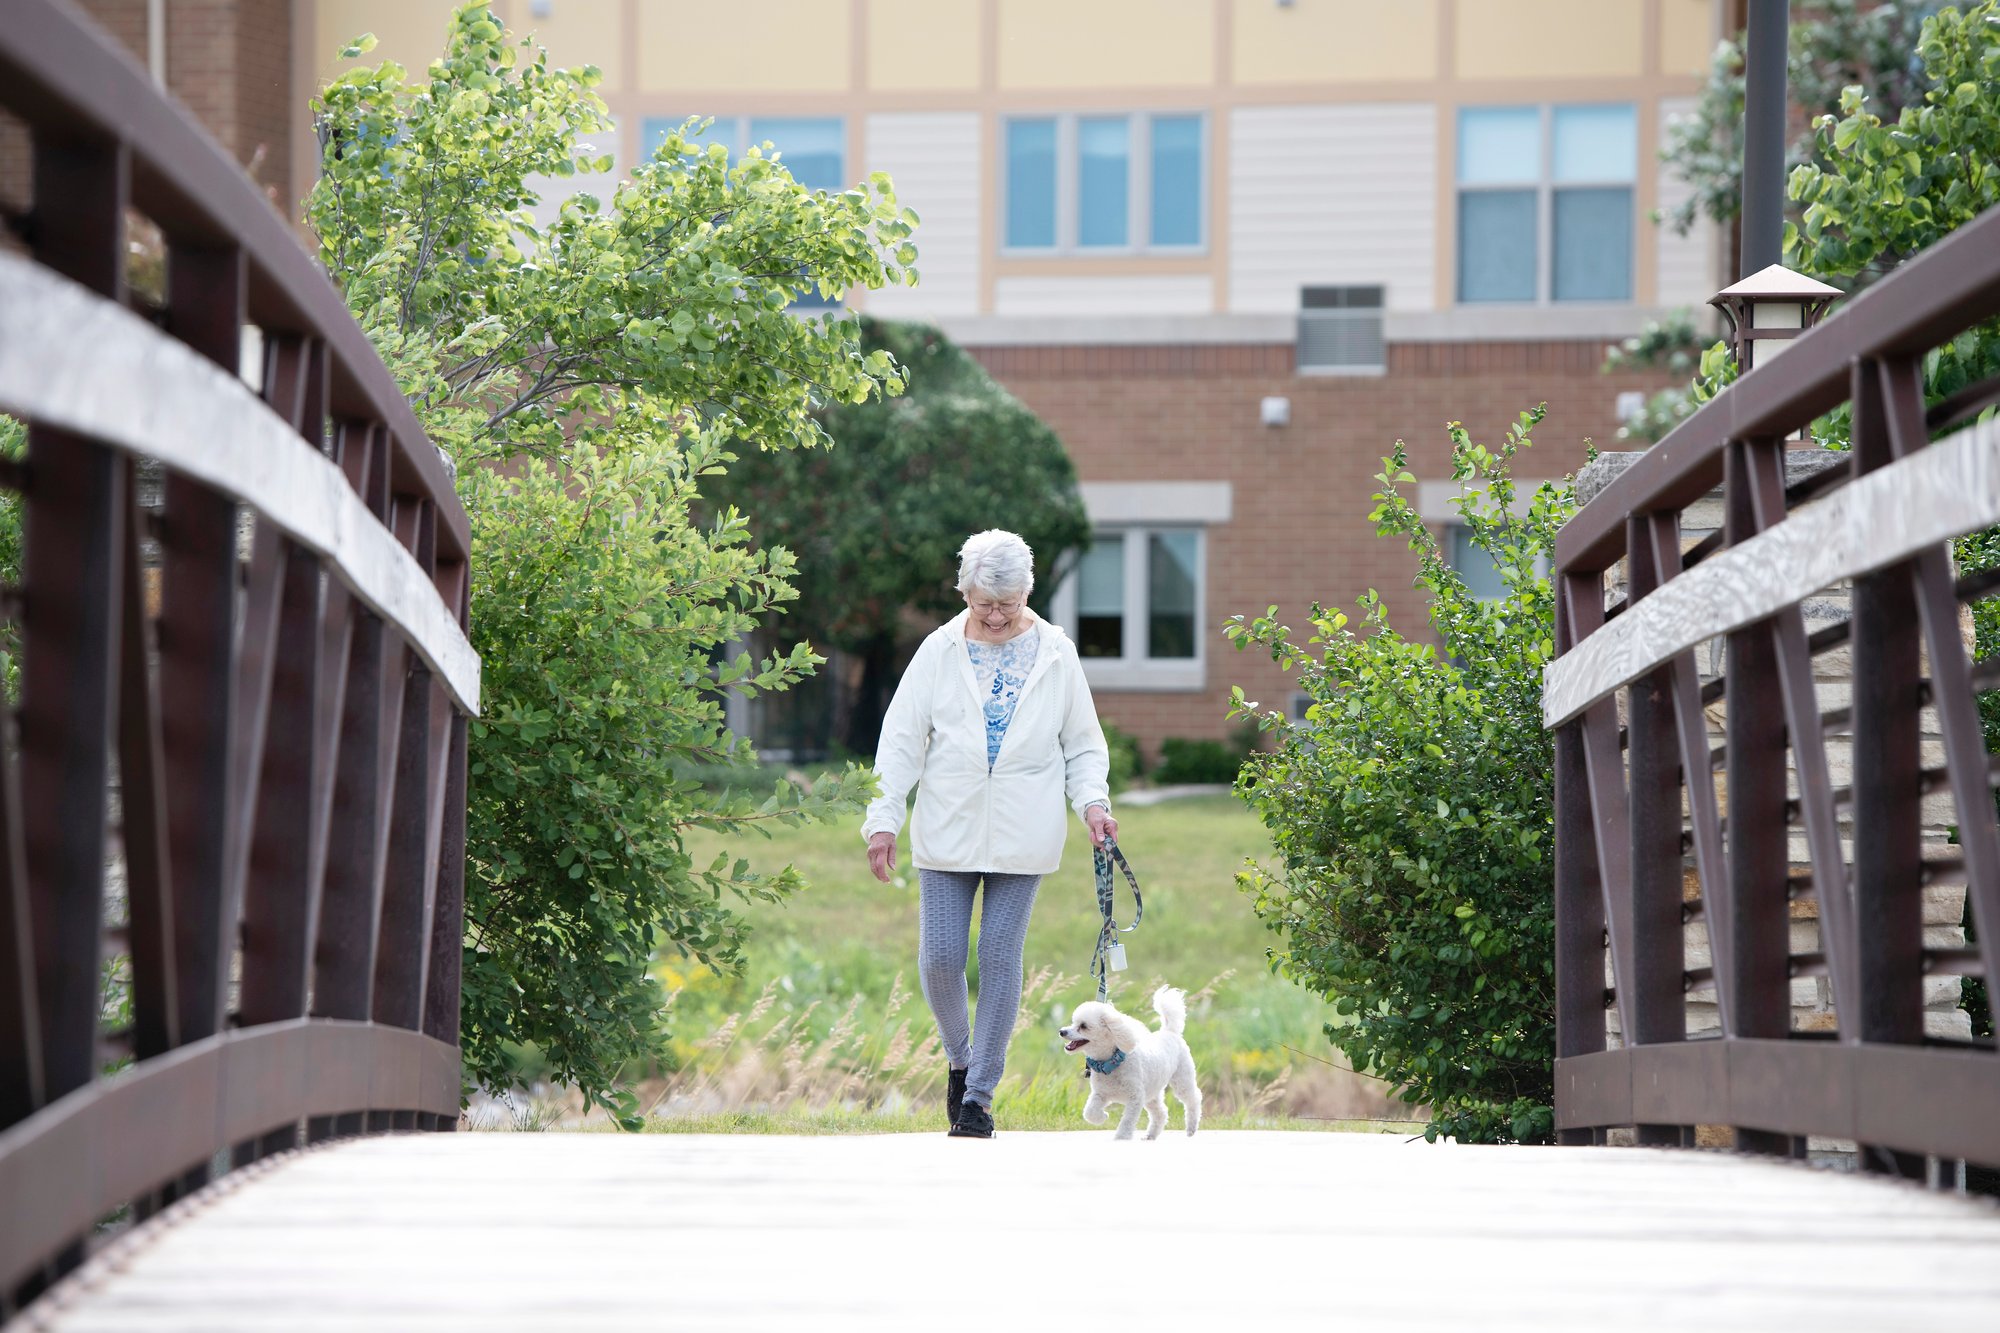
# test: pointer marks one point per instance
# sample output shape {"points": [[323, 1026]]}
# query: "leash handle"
{"points": [[1103, 858]]}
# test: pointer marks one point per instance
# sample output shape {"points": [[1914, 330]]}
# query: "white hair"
{"points": [[998, 563]]}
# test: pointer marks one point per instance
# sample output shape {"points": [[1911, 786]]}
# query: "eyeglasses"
{"points": [[980, 608]]}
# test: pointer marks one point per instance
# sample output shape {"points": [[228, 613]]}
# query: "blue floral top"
{"points": [[1002, 669]]}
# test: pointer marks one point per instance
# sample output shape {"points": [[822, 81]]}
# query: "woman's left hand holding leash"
{"points": [[1101, 825]]}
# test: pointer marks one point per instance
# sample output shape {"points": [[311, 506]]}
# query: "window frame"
{"points": [[1544, 187], [1135, 670], [1138, 186], [1454, 530], [737, 142]]}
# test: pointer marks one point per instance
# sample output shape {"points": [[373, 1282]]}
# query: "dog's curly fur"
{"points": [[1154, 1062]]}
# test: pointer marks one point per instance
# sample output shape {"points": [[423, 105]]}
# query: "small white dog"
{"points": [[1131, 1064]]}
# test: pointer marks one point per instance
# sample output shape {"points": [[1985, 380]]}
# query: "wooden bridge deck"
{"points": [[559, 1231]]}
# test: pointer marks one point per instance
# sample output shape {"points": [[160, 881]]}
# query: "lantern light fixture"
{"points": [[1772, 306]]}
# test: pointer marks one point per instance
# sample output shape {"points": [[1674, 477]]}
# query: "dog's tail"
{"points": [[1171, 1005]]}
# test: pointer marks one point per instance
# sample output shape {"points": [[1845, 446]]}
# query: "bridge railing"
{"points": [[1647, 843], [232, 746]]}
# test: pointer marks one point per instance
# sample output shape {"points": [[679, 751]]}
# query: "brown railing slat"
{"points": [[1887, 796], [1755, 728], [281, 897], [197, 694], [447, 936], [20, 1007], [73, 527], [403, 946], [142, 768], [1963, 406], [1652, 775], [350, 903], [1604, 778]]}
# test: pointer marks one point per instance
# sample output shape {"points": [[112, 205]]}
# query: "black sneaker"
{"points": [[974, 1122], [954, 1094]]}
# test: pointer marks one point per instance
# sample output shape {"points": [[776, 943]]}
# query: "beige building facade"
{"points": [[1232, 250]]}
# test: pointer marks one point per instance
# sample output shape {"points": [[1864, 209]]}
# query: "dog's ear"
{"points": [[1129, 1032]]}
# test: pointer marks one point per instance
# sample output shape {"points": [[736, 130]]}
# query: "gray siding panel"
{"points": [[934, 160], [1334, 195]]}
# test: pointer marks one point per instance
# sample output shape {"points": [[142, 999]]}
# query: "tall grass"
{"points": [[825, 1028]]}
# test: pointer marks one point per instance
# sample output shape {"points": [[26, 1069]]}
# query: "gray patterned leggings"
{"points": [[944, 923]]}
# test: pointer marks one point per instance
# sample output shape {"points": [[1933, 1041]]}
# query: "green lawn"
{"points": [[825, 1022]]}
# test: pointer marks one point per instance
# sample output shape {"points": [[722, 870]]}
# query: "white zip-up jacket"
{"points": [[1009, 820]]}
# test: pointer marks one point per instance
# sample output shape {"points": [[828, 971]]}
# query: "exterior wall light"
{"points": [[1771, 306], [1276, 411]]}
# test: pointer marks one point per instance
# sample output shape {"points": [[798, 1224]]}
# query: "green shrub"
{"points": [[1128, 765], [1412, 816], [1184, 760]]}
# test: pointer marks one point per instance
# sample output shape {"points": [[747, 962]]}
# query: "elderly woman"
{"points": [[994, 725]]}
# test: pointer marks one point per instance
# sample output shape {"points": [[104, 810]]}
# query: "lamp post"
{"points": [[1771, 306], [1766, 33]]}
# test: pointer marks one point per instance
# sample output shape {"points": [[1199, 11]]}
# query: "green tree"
{"points": [[1832, 45], [1888, 164], [877, 520], [587, 377], [1412, 815]]}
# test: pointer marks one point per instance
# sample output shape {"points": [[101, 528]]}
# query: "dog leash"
{"points": [[1107, 935]]}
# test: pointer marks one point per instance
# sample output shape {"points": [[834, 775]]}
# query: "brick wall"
{"points": [[229, 64], [1300, 529], [264, 93]]}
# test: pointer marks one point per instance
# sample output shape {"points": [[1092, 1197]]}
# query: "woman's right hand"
{"points": [[882, 855]]}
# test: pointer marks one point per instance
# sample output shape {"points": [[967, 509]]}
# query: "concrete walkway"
{"points": [[1225, 1231]]}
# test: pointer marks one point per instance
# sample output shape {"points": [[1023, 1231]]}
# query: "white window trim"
{"points": [[1140, 673], [1435, 498], [1544, 187], [1138, 186]]}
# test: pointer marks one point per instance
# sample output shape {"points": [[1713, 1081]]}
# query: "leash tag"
{"points": [[1115, 955]]}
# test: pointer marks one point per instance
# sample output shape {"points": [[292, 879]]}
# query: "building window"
{"points": [[1481, 574], [1100, 598], [1545, 203], [1031, 183], [814, 149], [1134, 604], [1105, 184], [1340, 330]]}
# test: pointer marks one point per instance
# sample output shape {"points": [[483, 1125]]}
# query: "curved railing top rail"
{"points": [[1933, 297], [62, 71], [61, 346], [1931, 496]]}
